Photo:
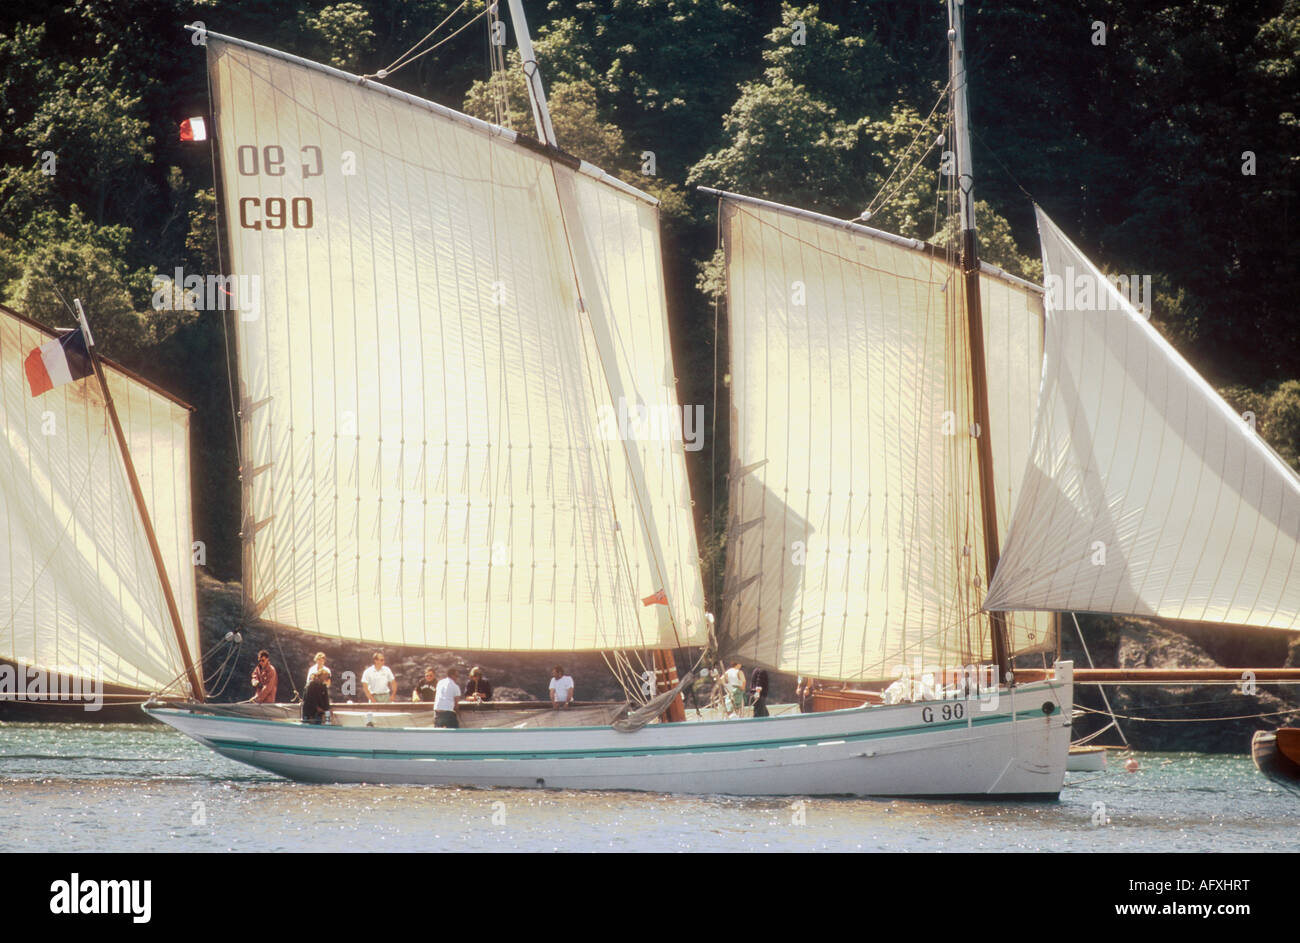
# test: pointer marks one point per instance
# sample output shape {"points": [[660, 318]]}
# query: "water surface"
{"points": [[86, 787]]}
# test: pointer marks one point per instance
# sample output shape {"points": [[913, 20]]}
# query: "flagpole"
{"points": [[196, 682]]}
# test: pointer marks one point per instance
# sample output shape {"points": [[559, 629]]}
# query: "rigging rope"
{"points": [[1190, 720], [872, 206], [406, 58], [1104, 698]]}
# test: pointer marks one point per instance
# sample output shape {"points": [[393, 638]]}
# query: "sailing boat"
{"points": [[85, 613], [421, 402]]}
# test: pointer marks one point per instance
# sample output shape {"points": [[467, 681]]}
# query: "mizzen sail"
{"points": [[79, 592], [448, 324], [854, 540], [1146, 494]]}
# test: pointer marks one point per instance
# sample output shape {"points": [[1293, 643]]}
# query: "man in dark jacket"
{"points": [[316, 699], [758, 691], [478, 688], [427, 689]]}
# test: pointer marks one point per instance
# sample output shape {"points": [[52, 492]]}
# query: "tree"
{"points": [[60, 258], [94, 126], [344, 30], [783, 144], [655, 64]]}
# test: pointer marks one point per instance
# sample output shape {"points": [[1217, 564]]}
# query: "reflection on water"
{"points": [[148, 788]]}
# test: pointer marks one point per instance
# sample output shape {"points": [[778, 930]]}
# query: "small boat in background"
{"points": [[1277, 755], [1086, 759]]}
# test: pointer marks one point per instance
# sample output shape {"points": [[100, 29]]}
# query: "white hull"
{"points": [[936, 748]]}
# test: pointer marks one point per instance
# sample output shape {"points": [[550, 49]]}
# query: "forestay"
{"points": [[426, 400], [854, 543], [79, 592], [1146, 494]]}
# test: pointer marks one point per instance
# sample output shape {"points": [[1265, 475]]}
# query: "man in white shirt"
{"points": [[733, 679], [561, 688], [445, 700], [378, 681]]}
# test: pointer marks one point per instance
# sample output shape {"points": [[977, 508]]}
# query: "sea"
{"points": [[147, 788]]}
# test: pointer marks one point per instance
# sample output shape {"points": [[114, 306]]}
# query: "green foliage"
{"points": [[1276, 415], [848, 71], [93, 124], [655, 63], [711, 275], [201, 240], [783, 143], [58, 258], [344, 30]]}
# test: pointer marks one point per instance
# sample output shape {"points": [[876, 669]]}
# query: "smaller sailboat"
{"points": [[97, 588]]}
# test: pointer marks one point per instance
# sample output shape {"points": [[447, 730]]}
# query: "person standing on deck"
{"points": [[378, 681], [561, 688], [316, 667], [446, 699], [264, 679], [316, 699], [478, 688], [427, 690], [758, 692], [733, 679]]}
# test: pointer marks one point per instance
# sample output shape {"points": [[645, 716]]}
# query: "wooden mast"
{"points": [[975, 321], [195, 679]]}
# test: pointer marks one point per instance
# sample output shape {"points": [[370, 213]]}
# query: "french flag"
{"points": [[58, 362]]}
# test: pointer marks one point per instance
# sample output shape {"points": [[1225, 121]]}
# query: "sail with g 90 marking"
{"points": [[440, 343], [855, 540], [79, 592], [1146, 494]]}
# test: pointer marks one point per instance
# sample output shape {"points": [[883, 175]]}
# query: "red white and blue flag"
{"points": [[58, 362]]}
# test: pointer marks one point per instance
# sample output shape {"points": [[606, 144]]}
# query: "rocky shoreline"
{"points": [[1145, 643]]}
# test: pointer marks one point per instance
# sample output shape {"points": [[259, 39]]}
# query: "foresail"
{"points": [[645, 430], [1145, 493], [424, 395], [854, 543], [79, 592]]}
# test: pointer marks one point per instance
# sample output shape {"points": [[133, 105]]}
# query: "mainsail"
{"points": [[854, 542], [79, 592], [455, 384], [1145, 494]]}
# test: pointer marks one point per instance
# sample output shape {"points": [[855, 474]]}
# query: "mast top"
{"points": [[960, 115]]}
